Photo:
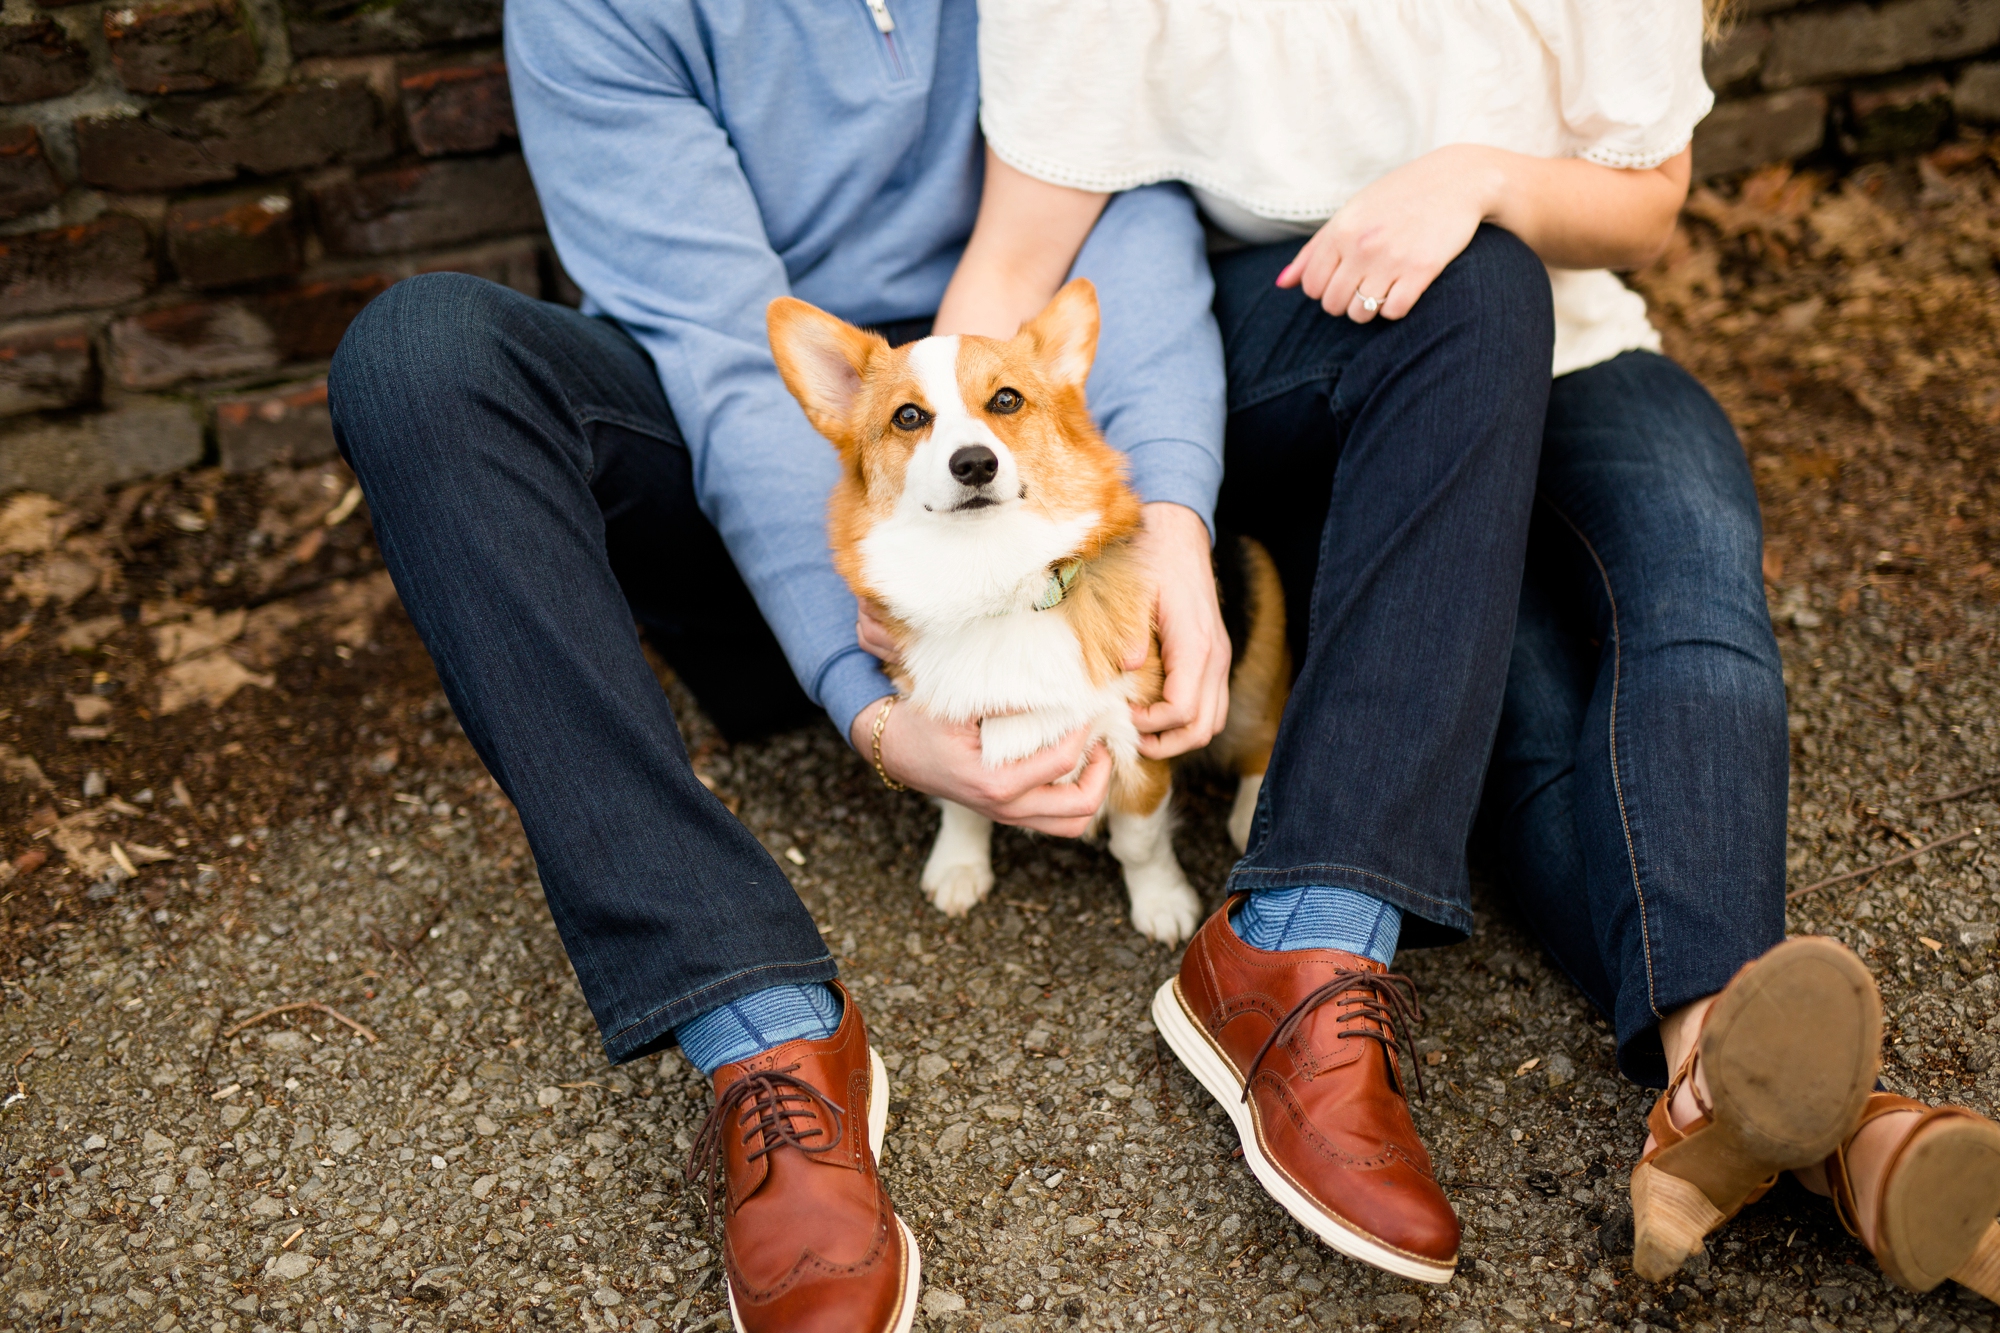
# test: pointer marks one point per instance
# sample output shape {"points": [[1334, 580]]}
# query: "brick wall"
{"points": [[196, 196], [1837, 81]]}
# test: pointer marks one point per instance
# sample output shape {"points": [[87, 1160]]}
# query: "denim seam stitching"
{"points": [[738, 975], [637, 425], [1617, 776], [1265, 392]]}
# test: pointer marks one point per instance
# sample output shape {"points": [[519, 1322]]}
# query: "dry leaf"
{"points": [[76, 839], [356, 605], [18, 767], [59, 578], [85, 635], [199, 633], [90, 707], [212, 680], [32, 523], [267, 635]]}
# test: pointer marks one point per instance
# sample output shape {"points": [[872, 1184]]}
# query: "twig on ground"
{"points": [[314, 1005], [1961, 793], [1879, 866], [396, 951]]}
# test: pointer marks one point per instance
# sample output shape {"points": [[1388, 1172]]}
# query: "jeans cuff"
{"points": [[1451, 921], [655, 1031]]}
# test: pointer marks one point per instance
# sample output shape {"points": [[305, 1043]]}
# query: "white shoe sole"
{"points": [[878, 1125], [1214, 1072]]}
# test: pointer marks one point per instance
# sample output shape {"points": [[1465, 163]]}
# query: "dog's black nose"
{"points": [[974, 465]]}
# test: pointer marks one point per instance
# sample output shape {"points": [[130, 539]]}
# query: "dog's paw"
{"points": [[1167, 912], [957, 887]]}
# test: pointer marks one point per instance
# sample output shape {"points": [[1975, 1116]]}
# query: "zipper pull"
{"points": [[880, 10]]}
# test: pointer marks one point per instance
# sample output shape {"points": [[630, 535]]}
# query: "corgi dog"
{"points": [[980, 508]]}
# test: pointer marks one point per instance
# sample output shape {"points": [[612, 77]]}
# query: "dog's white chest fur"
{"points": [[978, 649], [1023, 673]]}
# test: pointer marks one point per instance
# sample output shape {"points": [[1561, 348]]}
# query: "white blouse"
{"points": [[1277, 112]]}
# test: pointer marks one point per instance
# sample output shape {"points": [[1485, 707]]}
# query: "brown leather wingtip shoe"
{"points": [[811, 1243], [1325, 1124]]}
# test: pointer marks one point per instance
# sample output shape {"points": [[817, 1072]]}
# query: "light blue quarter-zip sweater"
{"points": [[696, 158]]}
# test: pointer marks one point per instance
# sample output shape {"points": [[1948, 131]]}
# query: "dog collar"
{"points": [[1062, 578]]}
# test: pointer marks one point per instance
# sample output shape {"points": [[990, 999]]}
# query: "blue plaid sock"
{"points": [[751, 1024], [1316, 916]]}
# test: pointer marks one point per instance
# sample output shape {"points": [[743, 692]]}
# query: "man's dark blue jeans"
{"points": [[532, 499], [1389, 467], [1634, 713]]}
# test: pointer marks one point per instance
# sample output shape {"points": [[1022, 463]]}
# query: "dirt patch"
{"points": [[192, 662], [1851, 328]]}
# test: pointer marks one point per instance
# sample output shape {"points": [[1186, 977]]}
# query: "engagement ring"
{"points": [[1371, 303]]}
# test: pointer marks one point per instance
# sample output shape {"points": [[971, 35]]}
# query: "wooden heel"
{"points": [[1670, 1217], [1981, 1273]]}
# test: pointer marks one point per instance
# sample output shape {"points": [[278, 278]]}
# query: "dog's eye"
{"points": [[911, 417], [1005, 402]]}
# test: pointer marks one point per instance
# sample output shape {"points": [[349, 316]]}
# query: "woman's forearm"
{"points": [[1577, 214], [1023, 243]]}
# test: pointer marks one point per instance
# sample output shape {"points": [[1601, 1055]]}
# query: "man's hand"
{"points": [[871, 631], [1194, 645], [943, 759]]}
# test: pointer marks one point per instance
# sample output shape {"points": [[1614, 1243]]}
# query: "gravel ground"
{"points": [[481, 1166]]}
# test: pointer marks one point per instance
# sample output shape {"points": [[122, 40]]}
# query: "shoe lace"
{"points": [[768, 1103], [1380, 1006]]}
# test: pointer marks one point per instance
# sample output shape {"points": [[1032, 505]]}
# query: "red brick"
{"points": [[224, 240], [286, 425], [307, 321], [343, 28], [196, 340], [1823, 44], [434, 204], [1739, 135], [515, 263], [460, 106], [1976, 95], [180, 46], [39, 59], [177, 144], [75, 455], [27, 181], [44, 365], [98, 263], [1907, 118]]}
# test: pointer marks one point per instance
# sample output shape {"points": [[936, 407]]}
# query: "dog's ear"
{"points": [[1065, 333], [822, 360]]}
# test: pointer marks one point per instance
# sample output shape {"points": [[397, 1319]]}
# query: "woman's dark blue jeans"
{"points": [[1635, 809], [1620, 743]]}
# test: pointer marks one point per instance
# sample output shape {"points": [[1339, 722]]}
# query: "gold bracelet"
{"points": [[881, 721]]}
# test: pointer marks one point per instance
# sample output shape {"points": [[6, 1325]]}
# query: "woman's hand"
{"points": [[1194, 644], [1380, 252], [943, 759]]}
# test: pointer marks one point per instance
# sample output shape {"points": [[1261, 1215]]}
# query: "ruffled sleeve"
{"points": [[1067, 93], [1631, 87]]}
